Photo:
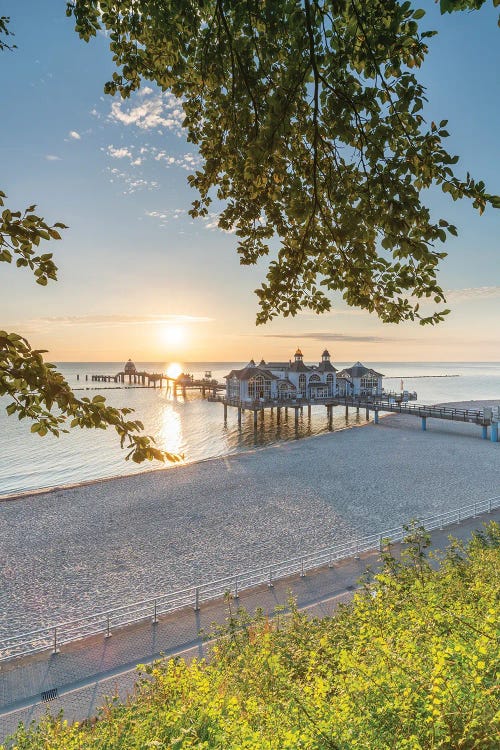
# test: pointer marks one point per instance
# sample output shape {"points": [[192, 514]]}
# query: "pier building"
{"points": [[359, 380], [296, 380]]}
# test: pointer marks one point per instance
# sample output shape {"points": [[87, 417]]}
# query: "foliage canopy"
{"points": [[308, 119], [412, 664]]}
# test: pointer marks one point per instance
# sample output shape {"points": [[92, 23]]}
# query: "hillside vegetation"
{"points": [[412, 663]]}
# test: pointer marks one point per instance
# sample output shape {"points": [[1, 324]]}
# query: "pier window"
{"points": [[259, 387], [233, 388], [329, 382], [302, 384], [369, 384]]}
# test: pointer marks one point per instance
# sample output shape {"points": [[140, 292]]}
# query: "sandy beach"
{"points": [[72, 551]]}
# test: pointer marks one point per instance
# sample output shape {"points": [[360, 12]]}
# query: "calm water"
{"points": [[194, 427]]}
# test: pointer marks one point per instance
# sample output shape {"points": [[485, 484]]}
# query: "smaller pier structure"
{"points": [[181, 384]]}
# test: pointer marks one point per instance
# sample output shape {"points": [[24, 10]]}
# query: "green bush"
{"points": [[412, 663]]}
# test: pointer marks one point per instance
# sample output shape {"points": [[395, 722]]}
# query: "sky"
{"points": [[139, 278]]}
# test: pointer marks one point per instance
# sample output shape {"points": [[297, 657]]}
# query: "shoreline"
{"points": [[12, 496]]}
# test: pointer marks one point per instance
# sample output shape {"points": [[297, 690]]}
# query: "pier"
{"points": [[142, 379], [484, 418]]}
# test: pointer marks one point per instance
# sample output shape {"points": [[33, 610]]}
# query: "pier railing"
{"points": [[106, 621]]}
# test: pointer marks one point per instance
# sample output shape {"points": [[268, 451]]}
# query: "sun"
{"points": [[174, 370], [174, 335]]}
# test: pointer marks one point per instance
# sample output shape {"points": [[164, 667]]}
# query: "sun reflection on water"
{"points": [[170, 437]]}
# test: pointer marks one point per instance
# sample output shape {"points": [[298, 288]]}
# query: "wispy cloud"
{"points": [[150, 112], [52, 157], [473, 292], [131, 182], [166, 215], [73, 134], [108, 321], [328, 336], [212, 222]]}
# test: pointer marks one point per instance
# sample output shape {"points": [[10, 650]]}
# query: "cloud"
{"points": [[52, 157], [328, 336], [166, 215], [474, 292], [118, 320], [212, 222], [119, 153], [131, 182], [73, 134], [152, 112], [185, 161]]}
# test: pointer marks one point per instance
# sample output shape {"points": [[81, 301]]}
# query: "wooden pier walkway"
{"points": [[485, 418], [144, 379]]}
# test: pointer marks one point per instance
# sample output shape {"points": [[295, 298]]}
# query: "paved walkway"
{"points": [[86, 671]]}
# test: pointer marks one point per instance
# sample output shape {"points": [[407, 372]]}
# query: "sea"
{"points": [[194, 427]]}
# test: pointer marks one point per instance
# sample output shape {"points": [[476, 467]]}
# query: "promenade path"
{"points": [[88, 670]]}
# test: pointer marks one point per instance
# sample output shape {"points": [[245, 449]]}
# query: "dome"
{"points": [[262, 363], [326, 353], [129, 367], [298, 353]]}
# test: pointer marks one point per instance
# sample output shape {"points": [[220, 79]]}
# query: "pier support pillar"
{"points": [[262, 415], [329, 414], [424, 423], [346, 411], [367, 415], [484, 433], [225, 412], [239, 415], [278, 415], [494, 432], [296, 416], [309, 411], [255, 419], [286, 412], [375, 416]]}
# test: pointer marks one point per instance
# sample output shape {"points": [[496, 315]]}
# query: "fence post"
{"points": [[236, 595], [356, 556], [458, 516], [475, 509], [108, 630], [196, 599], [270, 584], [55, 650], [155, 618], [489, 506], [380, 544], [302, 574]]}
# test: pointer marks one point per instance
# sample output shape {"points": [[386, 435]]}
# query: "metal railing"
{"points": [[104, 622]]}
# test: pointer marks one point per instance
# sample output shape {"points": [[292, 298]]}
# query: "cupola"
{"points": [[129, 367], [298, 355], [325, 357]]}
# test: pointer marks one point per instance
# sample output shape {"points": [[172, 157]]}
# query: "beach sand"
{"points": [[72, 551]]}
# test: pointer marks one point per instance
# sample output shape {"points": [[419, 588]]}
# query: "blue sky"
{"points": [[139, 278]]}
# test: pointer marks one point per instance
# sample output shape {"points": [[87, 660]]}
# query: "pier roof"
{"points": [[248, 372], [299, 366], [326, 366], [358, 370]]}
